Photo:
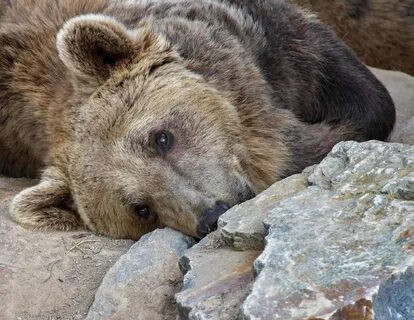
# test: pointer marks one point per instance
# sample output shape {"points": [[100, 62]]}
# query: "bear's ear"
{"points": [[92, 45], [47, 205]]}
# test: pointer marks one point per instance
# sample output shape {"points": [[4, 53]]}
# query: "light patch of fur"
{"points": [[309, 15]]}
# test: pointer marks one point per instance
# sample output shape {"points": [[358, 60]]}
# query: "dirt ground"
{"points": [[49, 275]]}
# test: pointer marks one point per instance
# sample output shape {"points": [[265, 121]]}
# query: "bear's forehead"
{"points": [[126, 103]]}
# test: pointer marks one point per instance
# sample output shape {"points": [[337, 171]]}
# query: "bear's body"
{"points": [[244, 92], [380, 32]]}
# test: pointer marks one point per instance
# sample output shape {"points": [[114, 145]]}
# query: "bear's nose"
{"points": [[209, 217]]}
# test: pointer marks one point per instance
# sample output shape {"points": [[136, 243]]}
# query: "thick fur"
{"points": [[380, 32], [251, 90]]}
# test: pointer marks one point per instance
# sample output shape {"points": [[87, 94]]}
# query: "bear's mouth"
{"points": [[209, 218], [245, 195]]}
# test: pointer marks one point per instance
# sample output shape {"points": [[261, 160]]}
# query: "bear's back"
{"points": [[243, 47]]}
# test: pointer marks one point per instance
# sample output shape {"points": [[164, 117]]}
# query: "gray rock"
{"points": [[395, 297], [404, 132], [401, 88], [49, 275], [216, 282], [142, 283], [242, 226], [330, 246]]}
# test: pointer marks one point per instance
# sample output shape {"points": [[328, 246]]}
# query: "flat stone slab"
{"points": [[217, 280], [331, 247], [242, 226], [142, 283], [49, 275]]}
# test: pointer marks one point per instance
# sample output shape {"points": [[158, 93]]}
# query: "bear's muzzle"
{"points": [[209, 217]]}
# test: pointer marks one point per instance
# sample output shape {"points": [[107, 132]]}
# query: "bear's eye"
{"points": [[164, 141], [143, 212]]}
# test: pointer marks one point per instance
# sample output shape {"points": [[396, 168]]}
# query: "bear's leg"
{"points": [[308, 144]]}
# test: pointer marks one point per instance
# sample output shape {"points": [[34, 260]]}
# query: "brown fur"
{"points": [[380, 32], [81, 99]]}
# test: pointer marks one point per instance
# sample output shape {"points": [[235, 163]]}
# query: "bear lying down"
{"points": [[140, 114]]}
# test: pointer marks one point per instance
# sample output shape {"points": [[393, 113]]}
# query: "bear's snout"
{"points": [[245, 195], [209, 217]]}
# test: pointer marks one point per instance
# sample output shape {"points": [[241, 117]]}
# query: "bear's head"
{"points": [[153, 143]]}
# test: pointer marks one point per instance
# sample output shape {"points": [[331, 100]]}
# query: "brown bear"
{"points": [[380, 32], [145, 113]]}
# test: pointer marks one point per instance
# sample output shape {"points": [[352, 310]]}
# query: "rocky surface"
{"points": [[216, 282], [242, 227], [49, 275], [330, 246], [395, 297], [142, 283], [338, 244]]}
